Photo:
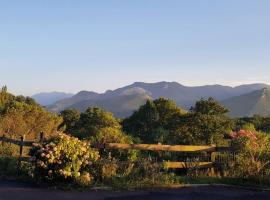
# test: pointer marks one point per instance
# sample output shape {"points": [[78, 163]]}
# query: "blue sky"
{"points": [[67, 45]]}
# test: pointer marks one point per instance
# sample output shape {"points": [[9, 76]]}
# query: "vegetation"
{"points": [[64, 158], [73, 152], [206, 123], [22, 116], [154, 121]]}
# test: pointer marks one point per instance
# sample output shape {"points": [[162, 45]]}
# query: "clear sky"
{"points": [[72, 45]]}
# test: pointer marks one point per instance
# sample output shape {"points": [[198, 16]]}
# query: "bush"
{"points": [[7, 150], [64, 159], [140, 174], [253, 156]]}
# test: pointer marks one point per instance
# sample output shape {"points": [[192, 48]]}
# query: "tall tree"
{"points": [[154, 121], [92, 120], [70, 119], [206, 123]]}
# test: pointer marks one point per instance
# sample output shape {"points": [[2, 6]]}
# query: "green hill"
{"points": [[257, 102]]}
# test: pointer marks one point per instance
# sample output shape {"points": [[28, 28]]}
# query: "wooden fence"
{"points": [[210, 150], [21, 142]]}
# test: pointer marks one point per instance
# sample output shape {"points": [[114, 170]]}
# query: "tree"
{"points": [[154, 121], [5, 98], [70, 119], [92, 120], [20, 118], [206, 123], [260, 123]]}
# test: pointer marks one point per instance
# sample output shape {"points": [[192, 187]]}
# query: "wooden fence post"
{"points": [[21, 145], [41, 137]]}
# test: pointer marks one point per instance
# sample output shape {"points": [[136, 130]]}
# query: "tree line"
{"points": [[157, 121]]}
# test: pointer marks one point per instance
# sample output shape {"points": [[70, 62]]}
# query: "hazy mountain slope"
{"points": [[186, 96], [121, 106], [256, 102], [123, 101], [47, 98], [64, 103]]}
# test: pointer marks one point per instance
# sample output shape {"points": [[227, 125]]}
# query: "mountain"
{"points": [[47, 98], [256, 102], [123, 101], [121, 105], [68, 102]]}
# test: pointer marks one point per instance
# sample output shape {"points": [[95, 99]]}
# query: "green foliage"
{"points": [[253, 157], [8, 167], [249, 127], [206, 123], [5, 98], [70, 119], [7, 150], [23, 116], [154, 121], [260, 123], [64, 158], [109, 135], [141, 174], [29, 120], [92, 120]]}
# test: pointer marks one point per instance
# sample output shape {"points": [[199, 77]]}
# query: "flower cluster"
{"points": [[63, 158], [243, 137], [244, 133]]}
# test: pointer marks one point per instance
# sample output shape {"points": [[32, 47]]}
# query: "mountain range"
{"points": [[123, 101], [48, 98]]}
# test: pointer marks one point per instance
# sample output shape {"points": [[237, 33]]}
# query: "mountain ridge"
{"points": [[184, 96], [47, 98], [253, 103]]}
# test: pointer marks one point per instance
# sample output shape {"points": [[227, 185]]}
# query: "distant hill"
{"points": [[68, 102], [123, 101], [256, 102], [47, 98]]}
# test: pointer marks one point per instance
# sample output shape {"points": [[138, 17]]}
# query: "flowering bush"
{"points": [[243, 138], [253, 156], [64, 158], [244, 134]]}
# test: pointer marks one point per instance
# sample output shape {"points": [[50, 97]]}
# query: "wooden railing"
{"points": [[210, 150], [172, 148], [21, 142]]}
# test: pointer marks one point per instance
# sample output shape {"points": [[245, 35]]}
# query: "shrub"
{"points": [[7, 150], [140, 174], [63, 159], [253, 156]]}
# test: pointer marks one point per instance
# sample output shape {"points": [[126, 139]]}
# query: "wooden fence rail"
{"points": [[210, 150], [21, 142], [172, 148]]}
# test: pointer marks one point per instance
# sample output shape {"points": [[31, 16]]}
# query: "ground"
{"points": [[13, 191]]}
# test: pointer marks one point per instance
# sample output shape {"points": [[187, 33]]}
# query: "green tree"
{"points": [[92, 120], [206, 123], [154, 121], [70, 119], [5, 98], [20, 118]]}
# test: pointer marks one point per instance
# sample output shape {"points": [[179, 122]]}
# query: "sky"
{"points": [[68, 45]]}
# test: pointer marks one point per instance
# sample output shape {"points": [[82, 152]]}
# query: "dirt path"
{"points": [[12, 191]]}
